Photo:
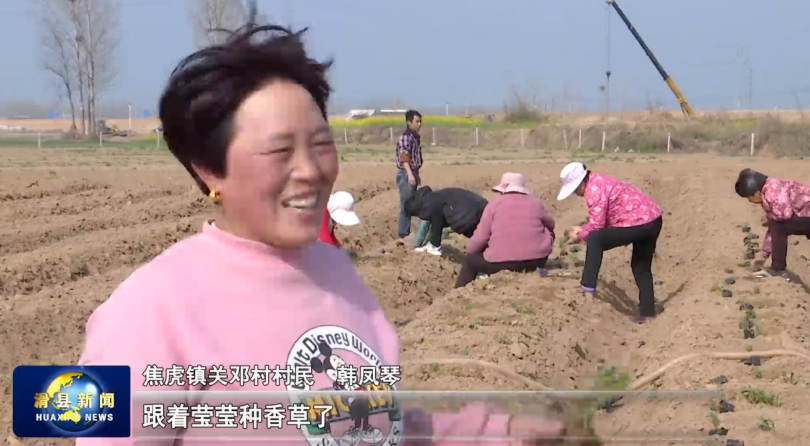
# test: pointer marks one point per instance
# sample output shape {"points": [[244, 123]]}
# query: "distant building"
{"points": [[365, 113]]}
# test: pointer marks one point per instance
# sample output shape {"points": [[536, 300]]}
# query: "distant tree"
{"points": [[58, 56], [80, 42], [209, 16]]}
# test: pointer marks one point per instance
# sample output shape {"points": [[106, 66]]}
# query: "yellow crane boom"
{"points": [[684, 105]]}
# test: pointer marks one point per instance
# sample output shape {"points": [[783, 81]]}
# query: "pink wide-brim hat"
{"points": [[512, 182]]}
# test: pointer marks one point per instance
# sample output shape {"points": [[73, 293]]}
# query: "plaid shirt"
{"points": [[408, 151]]}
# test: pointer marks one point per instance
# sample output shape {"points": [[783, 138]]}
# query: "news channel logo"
{"points": [[71, 401]]}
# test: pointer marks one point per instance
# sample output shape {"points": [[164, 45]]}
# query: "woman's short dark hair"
{"points": [[749, 183], [205, 90]]}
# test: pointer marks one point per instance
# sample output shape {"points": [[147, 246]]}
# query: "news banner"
{"points": [[354, 405]]}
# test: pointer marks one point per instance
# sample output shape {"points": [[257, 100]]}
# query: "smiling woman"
{"points": [[247, 119]]}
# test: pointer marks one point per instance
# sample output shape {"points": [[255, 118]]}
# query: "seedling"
{"points": [[500, 338], [756, 290], [523, 309], [766, 424], [714, 418], [756, 372], [757, 396], [435, 367], [744, 264], [468, 306], [715, 288], [749, 348], [465, 351]]}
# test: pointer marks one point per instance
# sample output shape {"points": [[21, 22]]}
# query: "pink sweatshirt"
{"points": [[215, 299], [614, 203], [781, 201], [513, 227]]}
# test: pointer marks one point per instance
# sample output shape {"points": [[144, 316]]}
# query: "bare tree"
{"points": [[80, 40], [209, 15], [57, 54]]}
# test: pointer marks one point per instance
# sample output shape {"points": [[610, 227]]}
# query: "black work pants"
{"points": [[780, 230], [643, 238], [475, 264]]}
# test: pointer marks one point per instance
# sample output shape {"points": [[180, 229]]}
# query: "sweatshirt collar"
{"points": [[252, 247]]}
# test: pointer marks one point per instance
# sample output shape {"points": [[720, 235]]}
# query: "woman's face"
{"points": [[280, 167], [580, 190], [756, 198]]}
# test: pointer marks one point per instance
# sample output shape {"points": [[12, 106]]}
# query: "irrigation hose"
{"points": [[635, 385]]}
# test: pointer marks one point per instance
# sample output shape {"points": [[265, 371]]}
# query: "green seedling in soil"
{"points": [[756, 372], [501, 338], [465, 351], [714, 417], [435, 367], [607, 379], [766, 424], [745, 264], [757, 290], [523, 309], [760, 305], [476, 322], [714, 406], [750, 322], [749, 348], [715, 288], [757, 396], [469, 306]]}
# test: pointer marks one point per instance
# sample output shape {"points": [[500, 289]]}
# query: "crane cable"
{"points": [[607, 59]]}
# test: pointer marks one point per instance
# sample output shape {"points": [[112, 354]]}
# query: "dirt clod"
{"points": [[719, 380], [731, 442], [721, 431], [725, 407], [730, 281], [727, 293], [749, 334], [746, 228], [658, 282]]}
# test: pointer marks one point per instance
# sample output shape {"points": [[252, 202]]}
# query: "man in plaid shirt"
{"points": [[408, 159]]}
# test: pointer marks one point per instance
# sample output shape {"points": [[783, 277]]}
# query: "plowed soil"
{"points": [[74, 224]]}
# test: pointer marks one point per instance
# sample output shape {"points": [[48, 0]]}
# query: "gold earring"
{"points": [[214, 196]]}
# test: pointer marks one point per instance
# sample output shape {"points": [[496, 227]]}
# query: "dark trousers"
{"points": [[643, 238], [475, 264], [780, 230]]}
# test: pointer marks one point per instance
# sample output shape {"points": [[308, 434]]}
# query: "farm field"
{"points": [[75, 222]]}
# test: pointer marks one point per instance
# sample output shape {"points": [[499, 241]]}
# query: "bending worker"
{"points": [[787, 209], [516, 233], [453, 207], [618, 215], [339, 211]]}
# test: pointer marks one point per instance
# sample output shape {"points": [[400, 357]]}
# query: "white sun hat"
{"points": [[341, 209], [571, 177]]}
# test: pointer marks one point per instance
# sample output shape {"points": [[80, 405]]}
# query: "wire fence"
{"points": [[783, 140]]}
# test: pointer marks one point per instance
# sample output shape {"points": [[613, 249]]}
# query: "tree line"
{"points": [[80, 41]]}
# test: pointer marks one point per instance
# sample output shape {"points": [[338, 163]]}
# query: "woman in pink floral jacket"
{"points": [[787, 209], [618, 215]]}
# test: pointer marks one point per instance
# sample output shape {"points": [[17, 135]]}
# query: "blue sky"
{"points": [[425, 53]]}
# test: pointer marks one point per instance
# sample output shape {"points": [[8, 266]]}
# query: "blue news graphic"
{"points": [[71, 401]]}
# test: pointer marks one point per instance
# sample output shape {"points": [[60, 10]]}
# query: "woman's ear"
{"points": [[212, 181]]}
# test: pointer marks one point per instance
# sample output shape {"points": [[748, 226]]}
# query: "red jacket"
{"points": [[327, 234]]}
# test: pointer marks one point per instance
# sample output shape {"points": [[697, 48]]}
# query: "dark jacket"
{"points": [[453, 207]]}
